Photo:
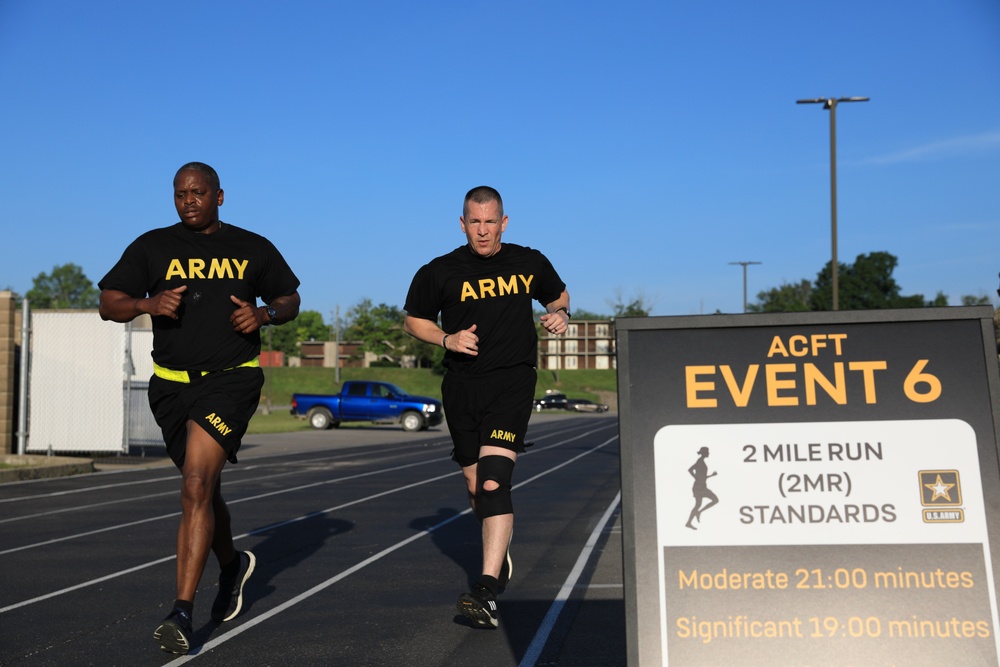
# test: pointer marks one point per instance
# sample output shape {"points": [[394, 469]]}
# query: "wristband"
{"points": [[565, 310], [444, 340]]}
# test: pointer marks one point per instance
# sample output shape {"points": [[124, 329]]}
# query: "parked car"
{"points": [[583, 405], [551, 401], [370, 402]]}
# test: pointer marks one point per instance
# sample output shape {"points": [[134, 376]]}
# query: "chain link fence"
{"points": [[87, 383]]}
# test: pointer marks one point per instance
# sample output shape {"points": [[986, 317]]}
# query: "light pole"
{"points": [[336, 346], [744, 265], [831, 104]]}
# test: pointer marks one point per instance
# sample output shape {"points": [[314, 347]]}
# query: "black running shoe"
{"points": [[174, 633], [229, 599], [479, 606]]}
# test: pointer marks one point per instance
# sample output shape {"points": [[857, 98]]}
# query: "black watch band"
{"points": [[565, 310], [271, 314]]}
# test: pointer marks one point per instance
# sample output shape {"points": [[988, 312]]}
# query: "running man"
{"points": [[700, 489], [483, 291], [199, 279]]}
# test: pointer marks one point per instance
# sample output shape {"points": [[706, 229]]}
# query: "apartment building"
{"points": [[587, 344]]}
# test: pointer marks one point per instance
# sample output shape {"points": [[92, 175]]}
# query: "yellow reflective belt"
{"points": [[185, 376]]}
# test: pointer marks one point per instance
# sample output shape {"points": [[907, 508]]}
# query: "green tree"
{"points": [[788, 298], [940, 300], [285, 338], [867, 284], [996, 328], [583, 314], [424, 354], [65, 287], [379, 328], [639, 306], [971, 300], [578, 314]]}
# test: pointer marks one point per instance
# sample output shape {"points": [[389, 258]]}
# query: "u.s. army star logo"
{"points": [[941, 489]]}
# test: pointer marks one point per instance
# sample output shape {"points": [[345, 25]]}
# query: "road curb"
{"points": [[31, 466]]}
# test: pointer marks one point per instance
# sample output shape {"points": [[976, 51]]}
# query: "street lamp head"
{"points": [[830, 102]]}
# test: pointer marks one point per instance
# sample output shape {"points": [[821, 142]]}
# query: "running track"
{"points": [[363, 540]]}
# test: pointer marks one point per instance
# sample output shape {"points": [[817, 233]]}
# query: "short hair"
{"points": [[481, 194], [208, 172]]}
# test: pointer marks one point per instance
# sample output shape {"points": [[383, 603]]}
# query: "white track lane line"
{"points": [[534, 650], [171, 474], [56, 494], [229, 482], [279, 492], [290, 489], [236, 537], [252, 462], [257, 620], [120, 573]]}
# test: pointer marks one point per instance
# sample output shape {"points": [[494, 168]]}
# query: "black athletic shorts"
{"points": [[489, 409], [222, 403]]}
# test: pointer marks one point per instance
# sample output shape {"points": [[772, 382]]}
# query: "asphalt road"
{"points": [[363, 541]]}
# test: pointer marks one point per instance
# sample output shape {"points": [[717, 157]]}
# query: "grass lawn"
{"points": [[281, 383], [279, 421]]}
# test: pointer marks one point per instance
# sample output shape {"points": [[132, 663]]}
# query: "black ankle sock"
{"points": [[490, 583], [232, 567], [185, 605]]}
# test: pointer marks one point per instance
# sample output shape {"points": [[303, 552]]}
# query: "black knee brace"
{"points": [[498, 469]]}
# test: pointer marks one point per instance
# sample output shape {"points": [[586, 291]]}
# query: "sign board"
{"points": [[810, 488]]}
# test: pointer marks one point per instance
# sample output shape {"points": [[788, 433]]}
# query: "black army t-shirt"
{"points": [[495, 294], [231, 261]]}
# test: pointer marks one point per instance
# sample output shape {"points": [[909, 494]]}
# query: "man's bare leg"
{"points": [[203, 464], [480, 605], [196, 533], [222, 539], [497, 530]]}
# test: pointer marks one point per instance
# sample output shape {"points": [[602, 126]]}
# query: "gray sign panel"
{"points": [[810, 489]]}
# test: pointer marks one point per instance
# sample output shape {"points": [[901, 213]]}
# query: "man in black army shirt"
{"points": [[483, 291], [199, 279]]}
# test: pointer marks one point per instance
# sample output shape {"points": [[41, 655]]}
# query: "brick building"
{"points": [[322, 354], [586, 344]]}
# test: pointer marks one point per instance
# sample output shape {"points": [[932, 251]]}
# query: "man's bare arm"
{"points": [[556, 318], [465, 341], [249, 318], [118, 306]]}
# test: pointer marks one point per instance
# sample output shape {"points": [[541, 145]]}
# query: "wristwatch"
{"points": [[271, 314], [565, 310]]}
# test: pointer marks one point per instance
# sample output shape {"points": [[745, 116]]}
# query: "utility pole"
{"points": [[831, 104], [268, 372], [336, 346], [744, 265]]}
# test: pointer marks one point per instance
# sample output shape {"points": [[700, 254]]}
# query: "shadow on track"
{"points": [[284, 547]]}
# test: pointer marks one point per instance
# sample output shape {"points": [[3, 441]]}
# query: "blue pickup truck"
{"points": [[361, 401]]}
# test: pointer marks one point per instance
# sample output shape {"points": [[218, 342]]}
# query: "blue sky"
{"points": [[643, 146]]}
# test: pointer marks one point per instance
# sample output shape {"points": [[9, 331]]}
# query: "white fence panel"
{"points": [[82, 377]]}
